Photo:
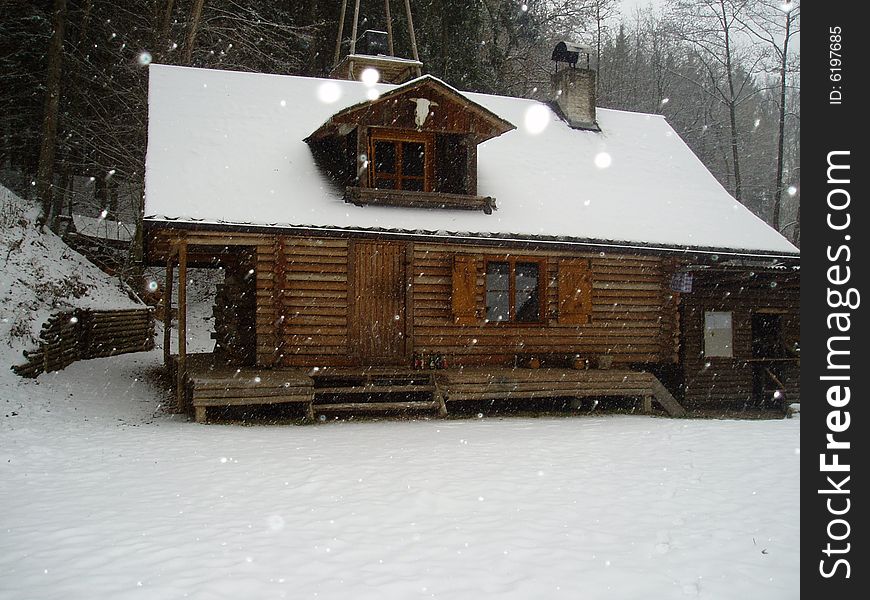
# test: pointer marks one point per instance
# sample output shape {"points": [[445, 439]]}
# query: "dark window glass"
{"points": [[526, 292], [385, 183], [414, 185], [413, 160], [498, 291], [385, 157], [513, 292]]}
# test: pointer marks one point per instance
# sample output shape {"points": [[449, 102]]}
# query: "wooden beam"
{"points": [[411, 35], [181, 375], [167, 316], [389, 28], [361, 196], [408, 284], [353, 38], [340, 33]]}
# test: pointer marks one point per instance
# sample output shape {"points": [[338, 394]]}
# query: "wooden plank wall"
{"points": [[711, 380], [634, 313], [302, 298]]}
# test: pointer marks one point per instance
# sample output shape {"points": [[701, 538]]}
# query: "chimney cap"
{"points": [[569, 52]]}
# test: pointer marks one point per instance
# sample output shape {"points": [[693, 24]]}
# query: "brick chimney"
{"points": [[574, 94]]}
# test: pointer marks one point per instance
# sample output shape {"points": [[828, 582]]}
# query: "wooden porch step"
{"points": [[376, 389], [487, 384], [377, 406]]}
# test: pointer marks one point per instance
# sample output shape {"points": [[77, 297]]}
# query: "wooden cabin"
{"points": [[389, 246]]}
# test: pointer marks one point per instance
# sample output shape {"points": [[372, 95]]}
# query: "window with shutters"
{"points": [[514, 290]]}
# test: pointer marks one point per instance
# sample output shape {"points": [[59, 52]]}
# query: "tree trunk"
{"points": [[780, 143], [732, 108], [45, 171], [195, 16], [163, 34]]}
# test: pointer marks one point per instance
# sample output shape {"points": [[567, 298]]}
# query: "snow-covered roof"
{"points": [[227, 148]]}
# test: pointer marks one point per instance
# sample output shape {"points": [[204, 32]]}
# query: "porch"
{"points": [[210, 383]]}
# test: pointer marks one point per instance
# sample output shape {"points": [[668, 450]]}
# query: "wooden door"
{"points": [[379, 302]]}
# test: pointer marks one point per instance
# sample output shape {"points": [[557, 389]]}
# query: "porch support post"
{"points": [[182, 326], [167, 315], [647, 405]]}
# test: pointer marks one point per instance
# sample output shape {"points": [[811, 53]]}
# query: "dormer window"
{"points": [[400, 160], [415, 146]]}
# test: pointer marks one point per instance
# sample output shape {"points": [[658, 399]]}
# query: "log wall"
{"points": [[712, 379], [302, 302], [81, 334]]}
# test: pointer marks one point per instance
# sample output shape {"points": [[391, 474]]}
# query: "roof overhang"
{"points": [[702, 255]]}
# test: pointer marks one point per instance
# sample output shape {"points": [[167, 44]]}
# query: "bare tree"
{"points": [[711, 28], [45, 172], [775, 23], [195, 16]]}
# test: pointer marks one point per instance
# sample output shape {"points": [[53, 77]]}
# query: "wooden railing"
{"points": [[80, 334]]}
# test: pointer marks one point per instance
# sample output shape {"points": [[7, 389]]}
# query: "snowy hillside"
{"points": [[39, 274]]}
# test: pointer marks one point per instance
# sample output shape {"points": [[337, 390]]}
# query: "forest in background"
{"points": [[73, 78]]}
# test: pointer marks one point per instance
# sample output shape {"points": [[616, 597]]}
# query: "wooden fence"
{"points": [[80, 334]]}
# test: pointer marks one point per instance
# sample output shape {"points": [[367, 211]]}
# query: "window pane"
{"points": [[498, 277], [497, 306], [385, 157], [718, 334], [385, 183], [528, 307], [414, 185], [526, 298], [526, 290], [413, 160], [527, 276], [498, 291]]}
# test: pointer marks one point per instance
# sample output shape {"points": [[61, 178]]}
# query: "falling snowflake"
{"points": [[370, 76], [328, 92], [144, 58], [537, 118], [603, 160]]}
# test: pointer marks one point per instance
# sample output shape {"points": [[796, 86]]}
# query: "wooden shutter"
{"points": [[464, 296], [575, 291]]}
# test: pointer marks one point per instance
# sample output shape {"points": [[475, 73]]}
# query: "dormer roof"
{"points": [[424, 104]]}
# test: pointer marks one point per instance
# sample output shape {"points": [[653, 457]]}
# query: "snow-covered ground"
{"points": [[104, 496]]}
